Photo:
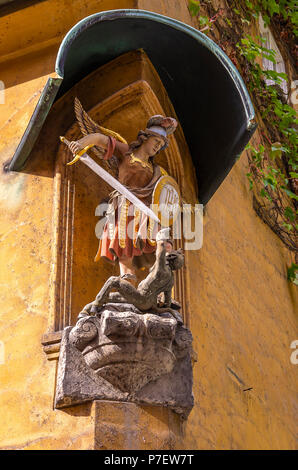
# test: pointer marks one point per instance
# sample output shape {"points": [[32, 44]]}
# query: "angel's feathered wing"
{"points": [[88, 126]]}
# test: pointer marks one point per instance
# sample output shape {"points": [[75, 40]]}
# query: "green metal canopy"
{"points": [[206, 90]]}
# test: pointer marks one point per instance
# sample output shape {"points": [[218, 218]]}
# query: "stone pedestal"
{"points": [[124, 355]]}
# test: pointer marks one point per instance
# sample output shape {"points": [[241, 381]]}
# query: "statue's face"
{"points": [[152, 145]]}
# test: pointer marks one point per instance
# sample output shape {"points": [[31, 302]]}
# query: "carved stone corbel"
{"points": [[124, 354]]}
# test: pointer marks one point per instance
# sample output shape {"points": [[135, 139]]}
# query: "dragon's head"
{"points": [[175, 259]]}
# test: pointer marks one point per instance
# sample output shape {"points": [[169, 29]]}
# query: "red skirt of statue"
{"points": [[127, 237]]}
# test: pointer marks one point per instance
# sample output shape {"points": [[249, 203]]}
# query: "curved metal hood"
{"points": [[206, 90]]}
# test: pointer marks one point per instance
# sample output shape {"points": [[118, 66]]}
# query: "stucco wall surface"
{"points": [[243, 311]]}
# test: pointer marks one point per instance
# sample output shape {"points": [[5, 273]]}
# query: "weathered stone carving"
{"points": [[128, 348], [123, 354], [131, 351]]}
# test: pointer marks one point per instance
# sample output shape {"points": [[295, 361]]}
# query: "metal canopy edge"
{"points": [[36, 122], [111, 15]]}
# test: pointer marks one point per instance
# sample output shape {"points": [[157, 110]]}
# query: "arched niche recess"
{"points": [[120, 95]]}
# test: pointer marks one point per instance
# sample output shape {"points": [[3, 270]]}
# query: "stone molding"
{"points": [[51, 344]]}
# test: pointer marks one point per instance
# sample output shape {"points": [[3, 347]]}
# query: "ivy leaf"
{"points": [[262, 149], [289, 227], [289, 213], [283, 75], [292, 273], [203, 20], [293, 174], [266, 19], [290, 193], [269, 55], [194, 7], [275, 151], [293, 165], [273, 7], [269, 181], [249, 177], [263, 193]]}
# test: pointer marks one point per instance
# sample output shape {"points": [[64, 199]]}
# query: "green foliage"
{"points": [[194, 7], [272, 6], [251, 183], [293, 274], [273, 166], [273, 184], [271, 169], [290, 193], [278, 114], [251, 50], [286, 9], [289, 214], [204, 21]]}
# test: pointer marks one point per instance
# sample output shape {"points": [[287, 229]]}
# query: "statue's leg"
{"points": [[132, 296], [124, 289], [103, 295], [117, 298], [127, 268]]}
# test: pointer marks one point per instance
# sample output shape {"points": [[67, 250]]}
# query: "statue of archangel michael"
{"points": [[128, 234]]}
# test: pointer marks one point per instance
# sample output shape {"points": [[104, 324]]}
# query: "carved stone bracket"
{"points": [[123, 354]]}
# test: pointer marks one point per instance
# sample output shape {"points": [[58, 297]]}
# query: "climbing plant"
{"points": [[273, 165]]}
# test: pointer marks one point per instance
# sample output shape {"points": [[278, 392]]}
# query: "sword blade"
{"points": [[118, 186]]}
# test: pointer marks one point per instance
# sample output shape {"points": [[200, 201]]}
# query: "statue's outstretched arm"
{"points": [[97, 139]]}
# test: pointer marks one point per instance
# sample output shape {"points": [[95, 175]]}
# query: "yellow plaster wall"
{"points": [[242, 314], [29, 42], [243, 318]]}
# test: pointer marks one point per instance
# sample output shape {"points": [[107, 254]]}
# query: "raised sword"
{"points": [[84, 157]]}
